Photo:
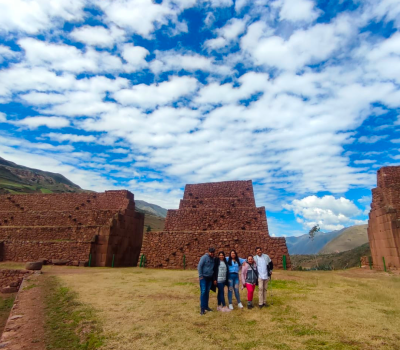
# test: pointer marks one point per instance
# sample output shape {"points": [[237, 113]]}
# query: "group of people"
{"points": [[218, 272]]}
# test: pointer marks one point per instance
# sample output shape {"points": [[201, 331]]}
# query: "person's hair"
{"points": [[230, 258], [257, 248], [211, 250], [221, 252], [248, 256]]}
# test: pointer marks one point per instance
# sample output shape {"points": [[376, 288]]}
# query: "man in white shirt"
{"points": [[264, 267]]}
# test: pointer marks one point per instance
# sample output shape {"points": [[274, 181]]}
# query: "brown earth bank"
{"points": [[25, 326]]}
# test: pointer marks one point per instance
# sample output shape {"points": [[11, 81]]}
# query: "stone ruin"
{"points": [[223, 215], [384, 219], [71, 228]]}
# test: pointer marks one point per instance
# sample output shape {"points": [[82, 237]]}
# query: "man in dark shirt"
{"points": [[206, 271]]}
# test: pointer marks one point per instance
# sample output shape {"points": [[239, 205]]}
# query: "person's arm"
{"points": [[200, 267], [242, 261], [270, 268], [215, 275], [243, 274]]}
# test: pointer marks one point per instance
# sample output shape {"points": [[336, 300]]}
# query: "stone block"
{"points": [[36, 265]]}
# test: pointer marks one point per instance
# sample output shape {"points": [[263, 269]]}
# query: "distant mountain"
{"points": [[350, 238], [304, 245], [16, 178], [150, 208]]}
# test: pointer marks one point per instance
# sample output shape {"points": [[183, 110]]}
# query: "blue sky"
{"points": [[300, 96]]}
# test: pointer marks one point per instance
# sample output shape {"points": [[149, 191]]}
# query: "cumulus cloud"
{"points": [[98, 35], [304, 46], [228, 33], [34, 16], [68, 58], [174, 61], [135, 57], [50, 122], [147, 96], [297, 10], [371, 139], [72, 138], [328, 212]]}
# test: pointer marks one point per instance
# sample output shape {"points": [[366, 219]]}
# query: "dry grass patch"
{"points": [[159, 309]]}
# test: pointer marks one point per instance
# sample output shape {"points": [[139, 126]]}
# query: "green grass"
{"points": [[6, 304], [69, 323], [46, 191]]}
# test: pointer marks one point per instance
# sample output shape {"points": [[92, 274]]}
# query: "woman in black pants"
{"points": [[221, 280]]}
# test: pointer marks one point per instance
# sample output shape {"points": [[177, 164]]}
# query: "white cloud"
{"points": [[304, 46], [144, 16], [297, 10], [6, 53], [98, 36], [227, 34], [328, 212], [3, 118], [50, 122], [68, 58], [365, 161], [34, 16], [149, 96], [72, 138], [371, 139], [173, 61], [135, 56]]}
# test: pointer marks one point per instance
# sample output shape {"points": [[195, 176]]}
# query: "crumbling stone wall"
{"points": [[222, 215], [10, 280], [103, 227], [384, 219]]}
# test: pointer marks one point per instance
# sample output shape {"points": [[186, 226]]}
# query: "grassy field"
{"points": [[159, 309]]}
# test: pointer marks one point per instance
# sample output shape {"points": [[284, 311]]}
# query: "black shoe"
{"points": [[202, 312], [208, 309], [261, 306]]}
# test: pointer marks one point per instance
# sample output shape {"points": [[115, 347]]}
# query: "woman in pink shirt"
{"points": [[249, 279]]}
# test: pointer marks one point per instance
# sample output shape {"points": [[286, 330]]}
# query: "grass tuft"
{"points": [[69, 323]]}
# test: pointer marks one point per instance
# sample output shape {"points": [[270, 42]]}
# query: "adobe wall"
{"points": [[223, 215], [166, 249], [384, 219], [109, 200], [56, 218], [222, 203], [12, 279], [103, 227], [216, 219], [226, 189]]}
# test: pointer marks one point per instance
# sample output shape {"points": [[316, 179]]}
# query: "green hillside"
{"points": [[16, 179]]}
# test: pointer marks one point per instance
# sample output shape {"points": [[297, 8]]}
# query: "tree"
{"points": [[148, 228], [313, 231], [311, 235]]}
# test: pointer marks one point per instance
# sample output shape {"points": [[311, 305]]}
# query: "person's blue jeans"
{"points": [[205, 286], [233, 281], [221, 294]]}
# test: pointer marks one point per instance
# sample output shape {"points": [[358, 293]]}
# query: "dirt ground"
{"points": [[25, 328], [356, 309]]}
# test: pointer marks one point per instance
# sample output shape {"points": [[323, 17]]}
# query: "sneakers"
{"points": [[240, 306], [231, 307], [208, 309], [202, 312], [250, 305], [261, 306], [219, 308], [225, 309]]}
